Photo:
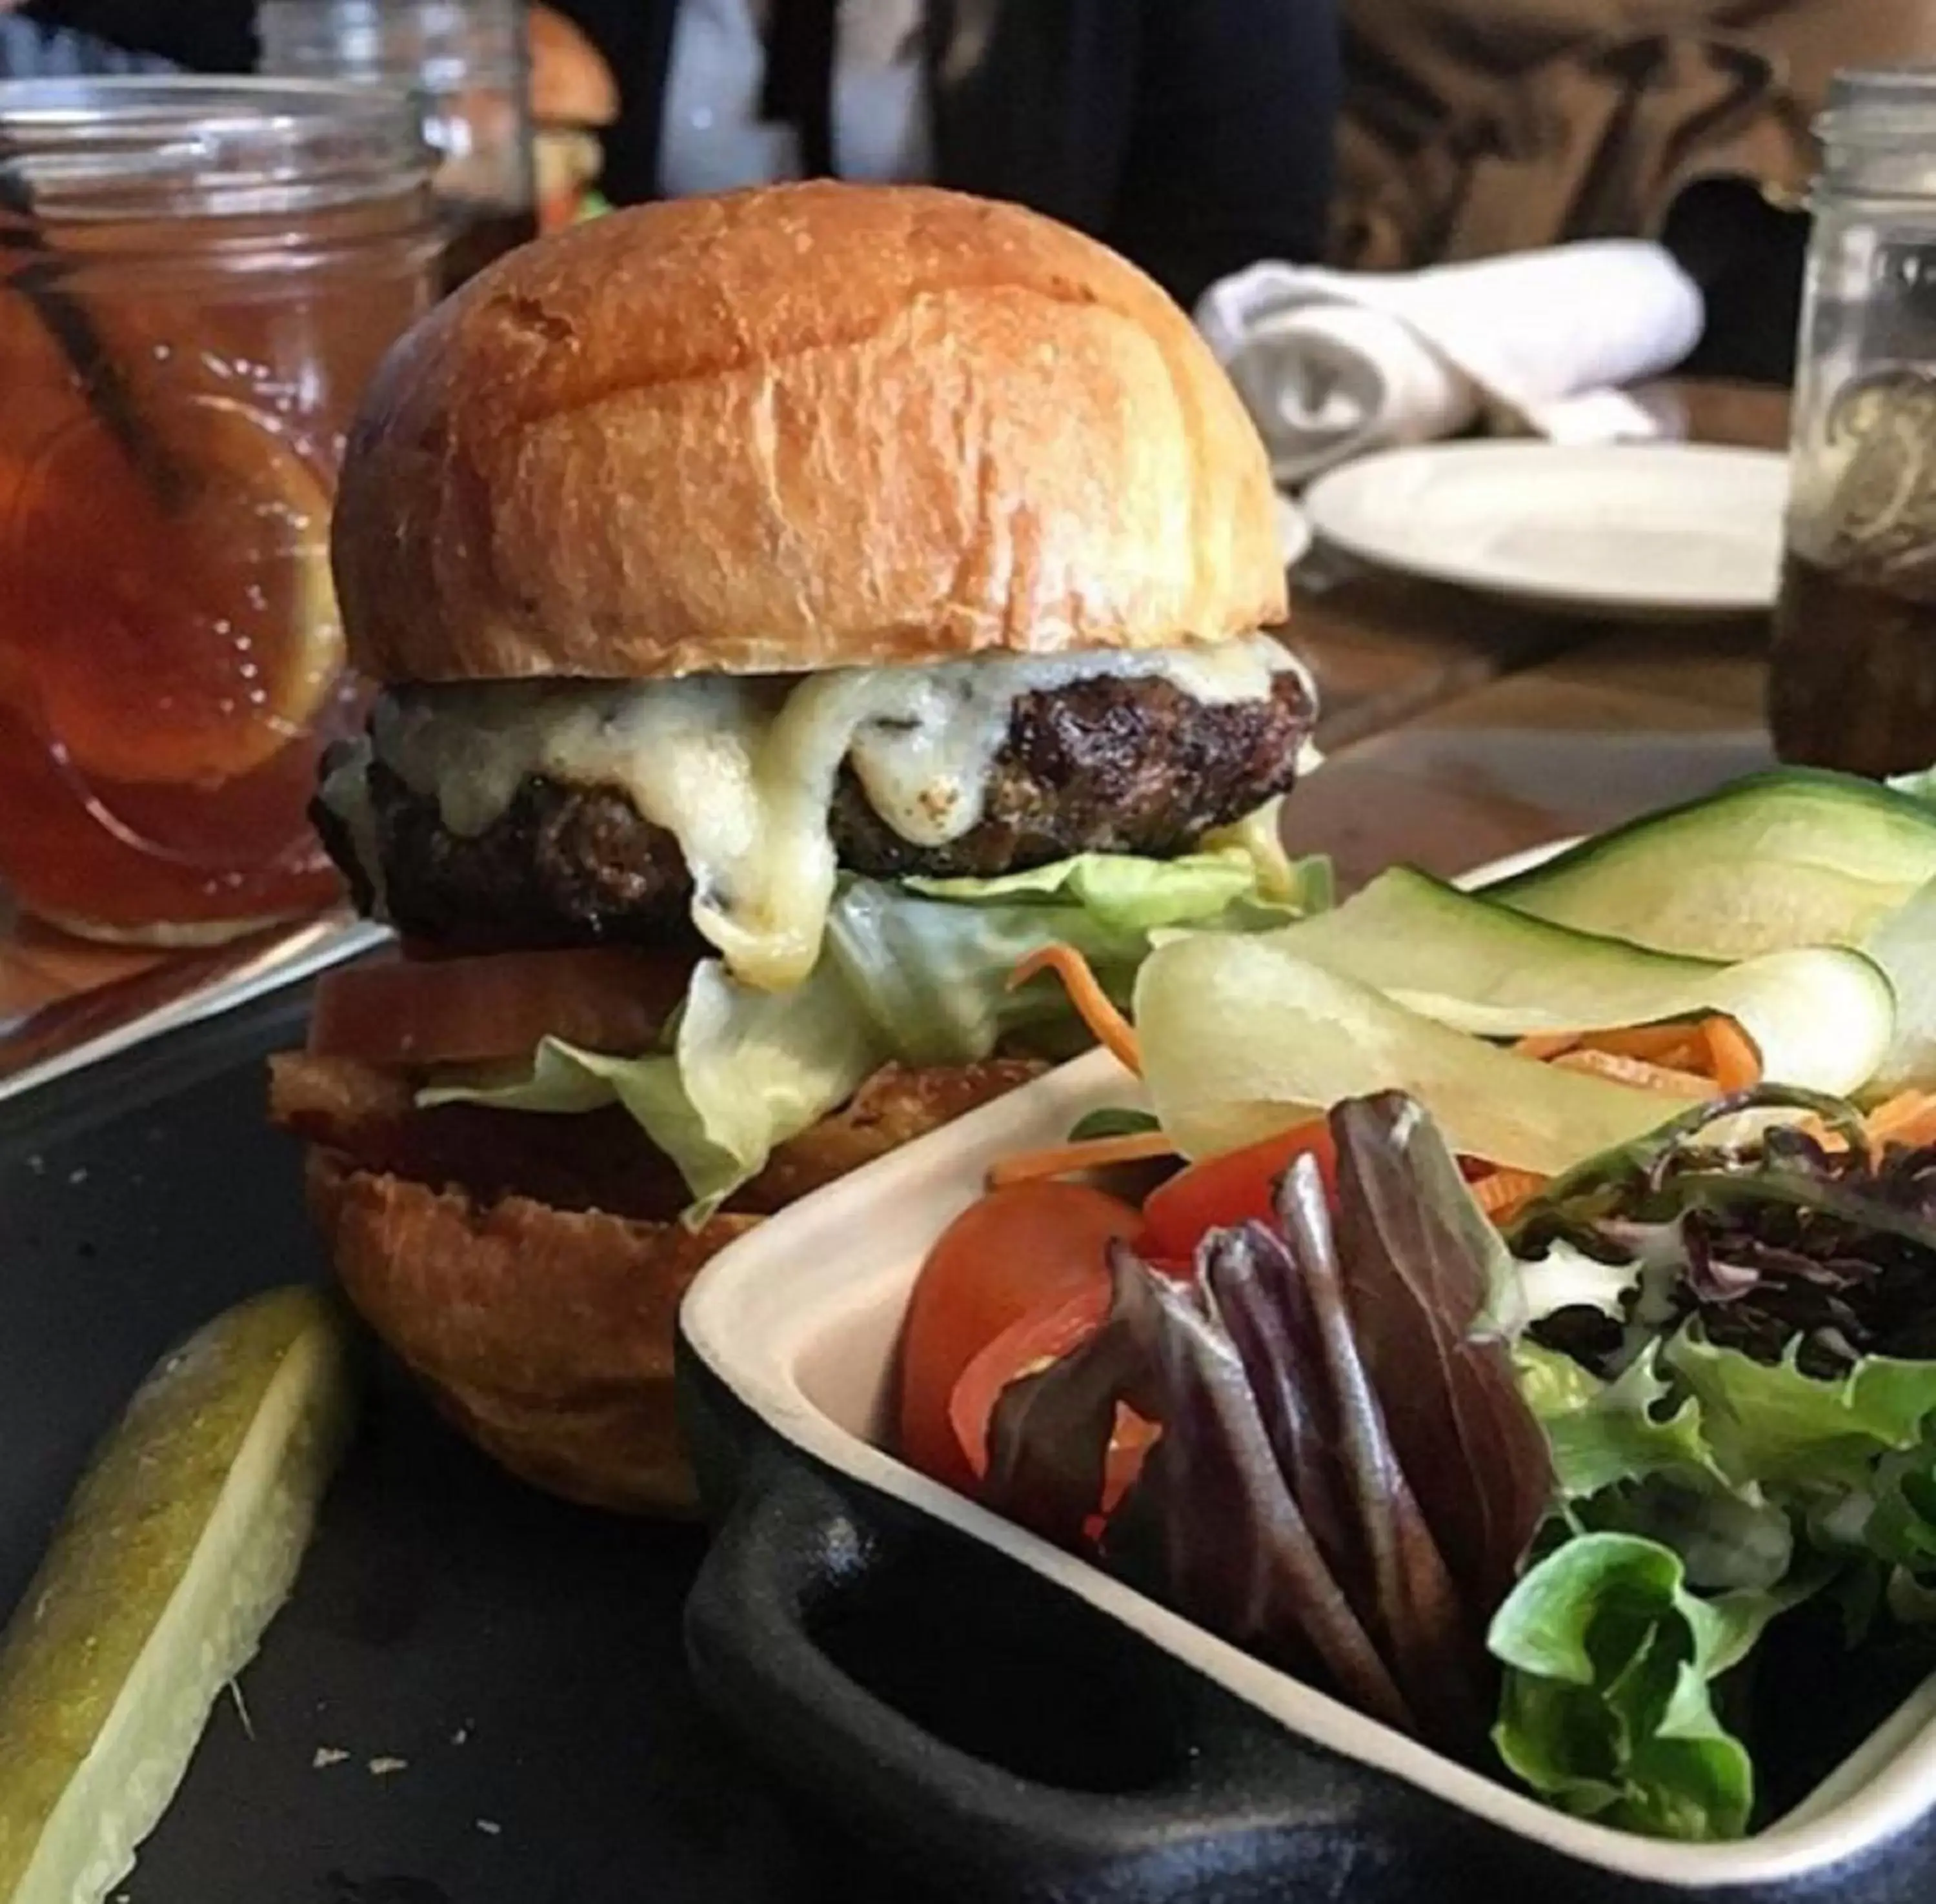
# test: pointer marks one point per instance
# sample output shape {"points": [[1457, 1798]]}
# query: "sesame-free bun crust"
{"points": [[571, 84], [546, 1334], [802, 427]]}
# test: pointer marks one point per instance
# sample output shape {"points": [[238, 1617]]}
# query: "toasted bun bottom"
{"points": [[545, 1334]]}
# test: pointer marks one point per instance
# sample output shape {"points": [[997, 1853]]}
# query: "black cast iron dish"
{"points": [[1015, 1724]]}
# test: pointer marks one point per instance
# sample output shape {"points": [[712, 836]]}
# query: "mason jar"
{"points": [[198, 278], [468, 64], [1853, 672]]}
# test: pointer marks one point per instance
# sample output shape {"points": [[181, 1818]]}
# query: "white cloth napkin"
{"points": [[1332, 364]]}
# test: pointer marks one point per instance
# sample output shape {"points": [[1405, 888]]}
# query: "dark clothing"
{"points": [[211, 36], [1749, 256], [29, 50], [1195, 136]]}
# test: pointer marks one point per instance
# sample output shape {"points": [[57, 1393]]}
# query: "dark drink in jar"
{"points": [[1851, 679], [1852, 673]]}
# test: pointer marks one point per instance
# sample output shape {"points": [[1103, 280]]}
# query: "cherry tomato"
{"points": [[607, 998], [1233, 1188], [1027, 1250]]}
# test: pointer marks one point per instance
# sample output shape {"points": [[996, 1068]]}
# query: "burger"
{"points": [[791, 609], [573, 98]]}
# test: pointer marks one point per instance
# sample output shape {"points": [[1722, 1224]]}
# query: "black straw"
{"points": [[68, 322]]}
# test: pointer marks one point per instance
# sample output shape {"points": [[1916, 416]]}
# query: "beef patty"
{"points": [[1128, 765]]}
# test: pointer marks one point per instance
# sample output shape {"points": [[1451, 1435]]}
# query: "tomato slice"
{"points": [[471, 1010], [1235, 1188], [1025, 1252]]}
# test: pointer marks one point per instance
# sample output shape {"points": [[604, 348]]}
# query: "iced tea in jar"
{"points": [[1853, 674], [197, 279]]}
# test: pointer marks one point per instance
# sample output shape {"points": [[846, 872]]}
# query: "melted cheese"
{"points": [[742, 771], [345, 791]]}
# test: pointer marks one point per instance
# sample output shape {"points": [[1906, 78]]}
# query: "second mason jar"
{"points": [[467, 62], [1852, 678]]}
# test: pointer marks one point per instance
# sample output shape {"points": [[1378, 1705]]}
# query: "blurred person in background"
{"points": [[1472, 128], [1195, 136]]}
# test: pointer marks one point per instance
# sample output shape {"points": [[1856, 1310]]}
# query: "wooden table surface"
{"points": [[1458, 728]]}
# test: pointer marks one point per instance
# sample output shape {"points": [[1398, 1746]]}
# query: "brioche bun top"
{"points": [[803, 427]]}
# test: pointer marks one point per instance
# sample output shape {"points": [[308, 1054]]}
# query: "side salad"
{"points": [[1531, 1330]]}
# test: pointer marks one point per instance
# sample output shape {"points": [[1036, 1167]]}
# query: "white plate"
{"points": [[1649, 529]]}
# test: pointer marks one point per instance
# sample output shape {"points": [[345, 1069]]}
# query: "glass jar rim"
{"points": [[1880, 105], [436, 44], [131, 145]]}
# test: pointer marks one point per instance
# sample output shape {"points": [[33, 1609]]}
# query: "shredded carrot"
{"points": [[1658, 1045], [1732, 1061], [1716, 1045], [1688, 1053], [1093, 1004], [1908, 1117], [1635, 1071], [1501, 1193], [1064, 1160], [1678, 1045]]}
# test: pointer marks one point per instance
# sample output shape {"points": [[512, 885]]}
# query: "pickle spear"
{"points": [[180, 1543]]}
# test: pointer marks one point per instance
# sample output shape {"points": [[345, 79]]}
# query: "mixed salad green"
{"points": [[1548, 1491], [1742, 1415]]}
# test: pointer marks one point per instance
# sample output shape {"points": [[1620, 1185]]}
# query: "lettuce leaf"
{"points": [[1121, 891], [1425, 1261], [1720, 1457], [1631, 1456], [1110, 1121], [1753, 1417], [1604, 1433], [747, 1069], [916, 974], [1762, 1483], [1779, 1290], [1772, 1424], [1608, 1709]]}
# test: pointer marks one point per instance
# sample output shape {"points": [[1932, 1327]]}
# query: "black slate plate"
{"points": [[522, 1656]]}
